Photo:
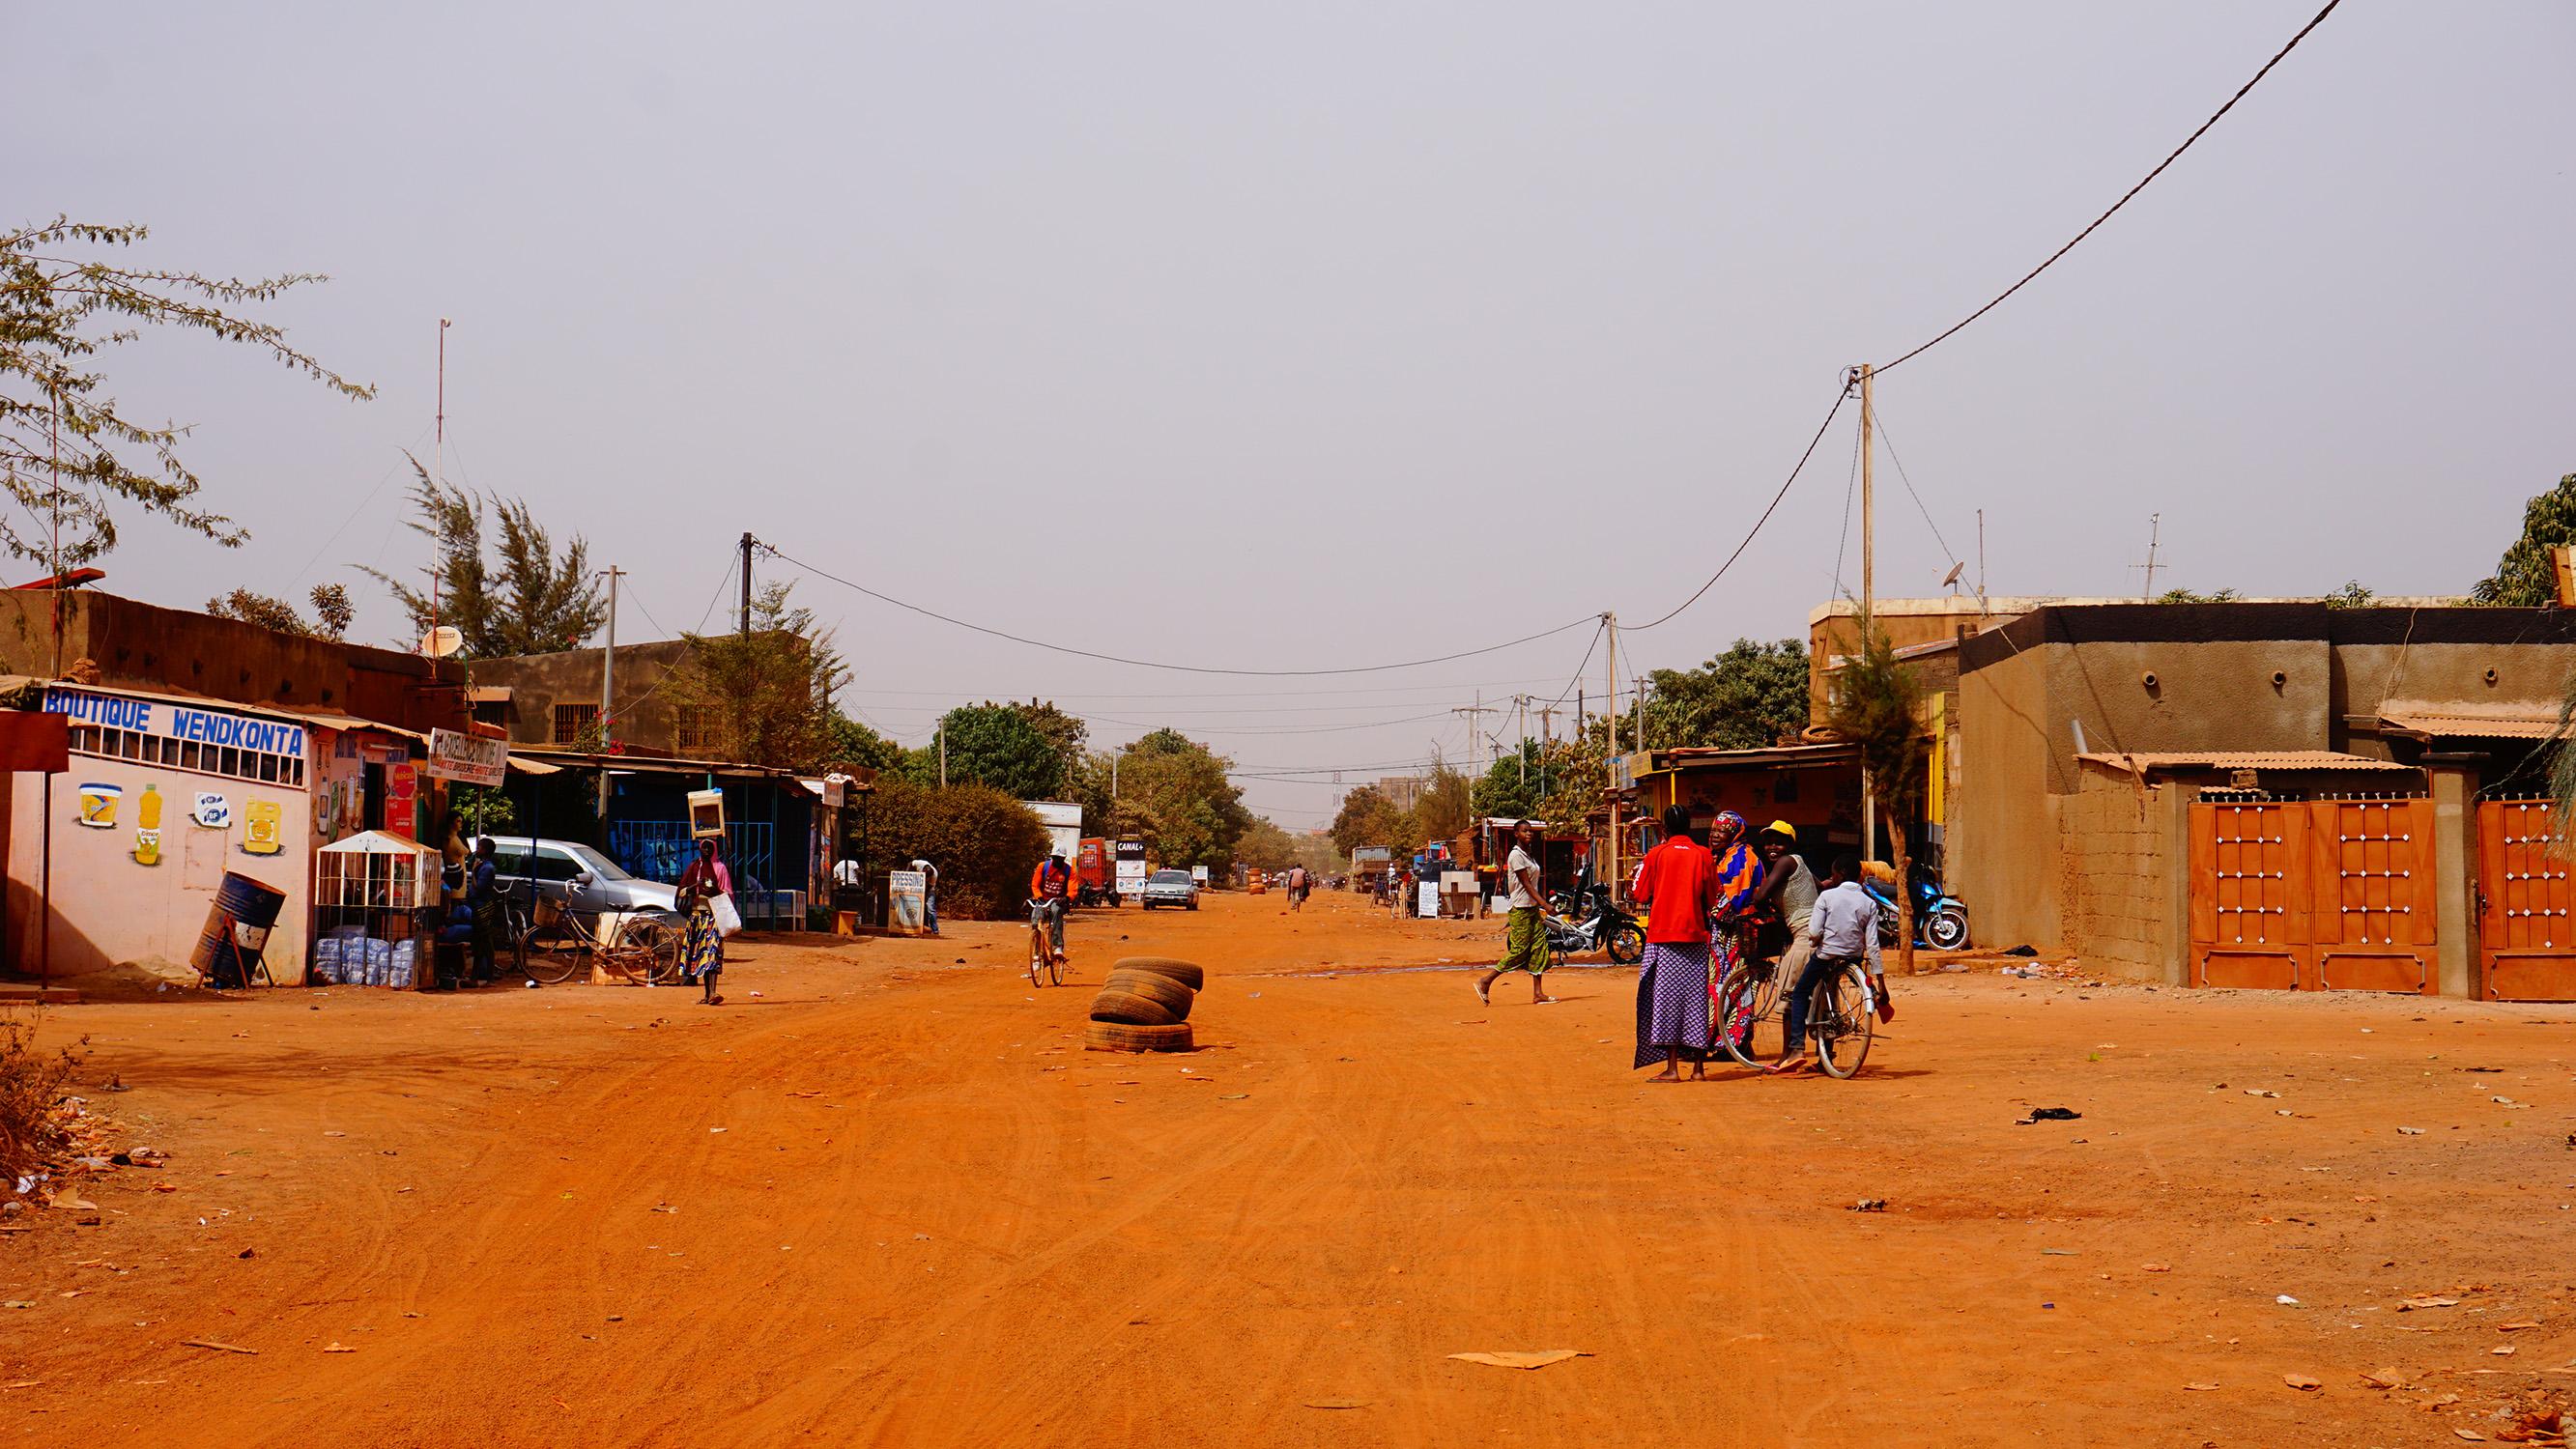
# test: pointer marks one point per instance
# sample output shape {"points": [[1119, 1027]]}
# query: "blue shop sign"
{"points": [[178, 722]]}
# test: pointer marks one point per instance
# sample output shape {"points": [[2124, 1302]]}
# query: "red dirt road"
{"points": [[891, 1201]]}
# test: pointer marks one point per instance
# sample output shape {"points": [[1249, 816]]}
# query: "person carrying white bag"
{"points": [[706, 898]]}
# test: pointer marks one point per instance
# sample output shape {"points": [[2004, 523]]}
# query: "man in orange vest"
{"points": [[1049, 885]]}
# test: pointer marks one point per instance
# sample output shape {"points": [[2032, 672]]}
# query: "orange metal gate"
{"points": [[2526, 938], [2313, 895]]}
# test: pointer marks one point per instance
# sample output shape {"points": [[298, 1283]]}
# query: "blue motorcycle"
{"points": [[1940, 919]]}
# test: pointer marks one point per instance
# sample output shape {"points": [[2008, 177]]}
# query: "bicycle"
{"points": [[558, 945], [1841, 1021], [1045, 956]]}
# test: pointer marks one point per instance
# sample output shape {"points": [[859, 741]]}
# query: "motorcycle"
{"points": [[1940, 919], [1607, 928]]}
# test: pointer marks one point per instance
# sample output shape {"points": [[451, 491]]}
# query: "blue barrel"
{"points": [[251, 904]]}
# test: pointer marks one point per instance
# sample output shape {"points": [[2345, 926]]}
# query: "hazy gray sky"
{"points": [[1309, 335]]}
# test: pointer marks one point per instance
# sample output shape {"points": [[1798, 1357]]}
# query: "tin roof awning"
{"points": [[2140, 762], [1774, 757], [526, 766], [2468, 720]]}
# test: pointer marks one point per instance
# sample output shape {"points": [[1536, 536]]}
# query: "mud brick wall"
{"points": [[2114, 864]]}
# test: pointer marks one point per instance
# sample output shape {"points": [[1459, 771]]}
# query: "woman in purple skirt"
{"points": [[1678, 886]]}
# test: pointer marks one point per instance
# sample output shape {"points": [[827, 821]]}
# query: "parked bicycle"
{"points": [[551, 945]]}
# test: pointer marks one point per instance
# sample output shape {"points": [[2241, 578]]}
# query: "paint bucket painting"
{"points": [[98, 805]]}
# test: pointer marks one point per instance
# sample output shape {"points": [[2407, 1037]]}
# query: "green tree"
{"points": [[1513, 787], [767, 695], [58, 313], [1751, 696], [528, 598], [855, 746], [2525, 578], [1186, 809], [1066, 732], [332, 612], [1878, 705], [1445, 807], [2351, 596], [1367, 817], [997, 745], [2192, 596]]}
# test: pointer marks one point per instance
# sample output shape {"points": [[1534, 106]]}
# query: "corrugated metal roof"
{"points": [[2238, 760], [2473, 723]]}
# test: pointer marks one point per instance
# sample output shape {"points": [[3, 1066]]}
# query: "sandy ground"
{"points": [[890, 1201]]}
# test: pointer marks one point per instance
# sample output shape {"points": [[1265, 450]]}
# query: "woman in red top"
{"points": [[1678, 885]]}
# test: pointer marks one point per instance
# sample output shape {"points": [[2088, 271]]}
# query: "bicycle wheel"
{"points": [[552, 954], [1038, 954], [1055, 969], [652, 950], [1749, 1018], [1846, 1017]]}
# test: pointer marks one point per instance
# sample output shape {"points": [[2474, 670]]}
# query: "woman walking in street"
{"points": [[1678, 886], [702, 945]]}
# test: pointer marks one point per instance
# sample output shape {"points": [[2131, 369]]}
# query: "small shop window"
{"points": [[697, 730], [574, 720]]}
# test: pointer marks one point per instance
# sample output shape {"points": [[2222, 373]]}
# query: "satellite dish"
{"points": [[1951, 579], [441, 642]]}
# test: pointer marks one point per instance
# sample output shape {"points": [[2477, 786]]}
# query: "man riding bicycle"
{"points": [[1049, 885]]}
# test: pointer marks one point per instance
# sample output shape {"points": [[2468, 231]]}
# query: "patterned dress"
{"points": [[1739, 880]]}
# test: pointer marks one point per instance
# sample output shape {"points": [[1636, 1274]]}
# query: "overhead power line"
{"points": [[1956, 327], [1159, 664], [1830, 413]]}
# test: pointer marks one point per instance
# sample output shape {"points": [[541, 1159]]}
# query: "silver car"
{"points": [[1171, 888], [578, 876]]}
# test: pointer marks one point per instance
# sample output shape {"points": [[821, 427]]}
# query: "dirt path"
{"points": [[890, 1201]]}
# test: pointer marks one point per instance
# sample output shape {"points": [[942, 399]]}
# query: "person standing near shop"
{"points": [[1525, 935], [491, 919], [929, 895]]}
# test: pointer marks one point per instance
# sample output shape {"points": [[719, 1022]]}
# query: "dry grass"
{"points": [[31, 1083]]}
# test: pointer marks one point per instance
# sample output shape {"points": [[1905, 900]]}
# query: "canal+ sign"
{"points": [[178, 721]]}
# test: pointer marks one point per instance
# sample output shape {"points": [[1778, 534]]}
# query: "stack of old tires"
{"points": [[1145, 1006]]}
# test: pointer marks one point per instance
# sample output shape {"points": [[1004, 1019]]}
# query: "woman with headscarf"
{"points": [[702, 945], [1739, 882]]}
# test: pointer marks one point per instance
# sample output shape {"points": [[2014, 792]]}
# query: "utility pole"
{"points": [[746, 608], [943, 744], [438, 462], [1637, 734], [1868, 586], [1610, 741], [1981, 563], [608, 683]]}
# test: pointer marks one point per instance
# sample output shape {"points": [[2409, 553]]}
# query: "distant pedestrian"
{"points": [[1296, 887], [929, 895], [1525, 935], [701, 942], [1678, 885]]}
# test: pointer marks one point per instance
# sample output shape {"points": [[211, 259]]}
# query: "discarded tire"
{"points": [[1111, 1036], [1185, 972], [1171, 995], [1125, 1007]]}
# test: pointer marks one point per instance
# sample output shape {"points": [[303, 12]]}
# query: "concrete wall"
{"points": [[647, 716], [2117, 873], [143, 646], [2001, 850]]}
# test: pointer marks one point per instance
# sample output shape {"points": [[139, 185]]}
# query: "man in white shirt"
{"points": [[1842, 929], [1525, 938], [929, 895]]}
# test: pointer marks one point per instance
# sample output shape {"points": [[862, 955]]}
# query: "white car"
{"points": [[1171, 888], [579, 876]]}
